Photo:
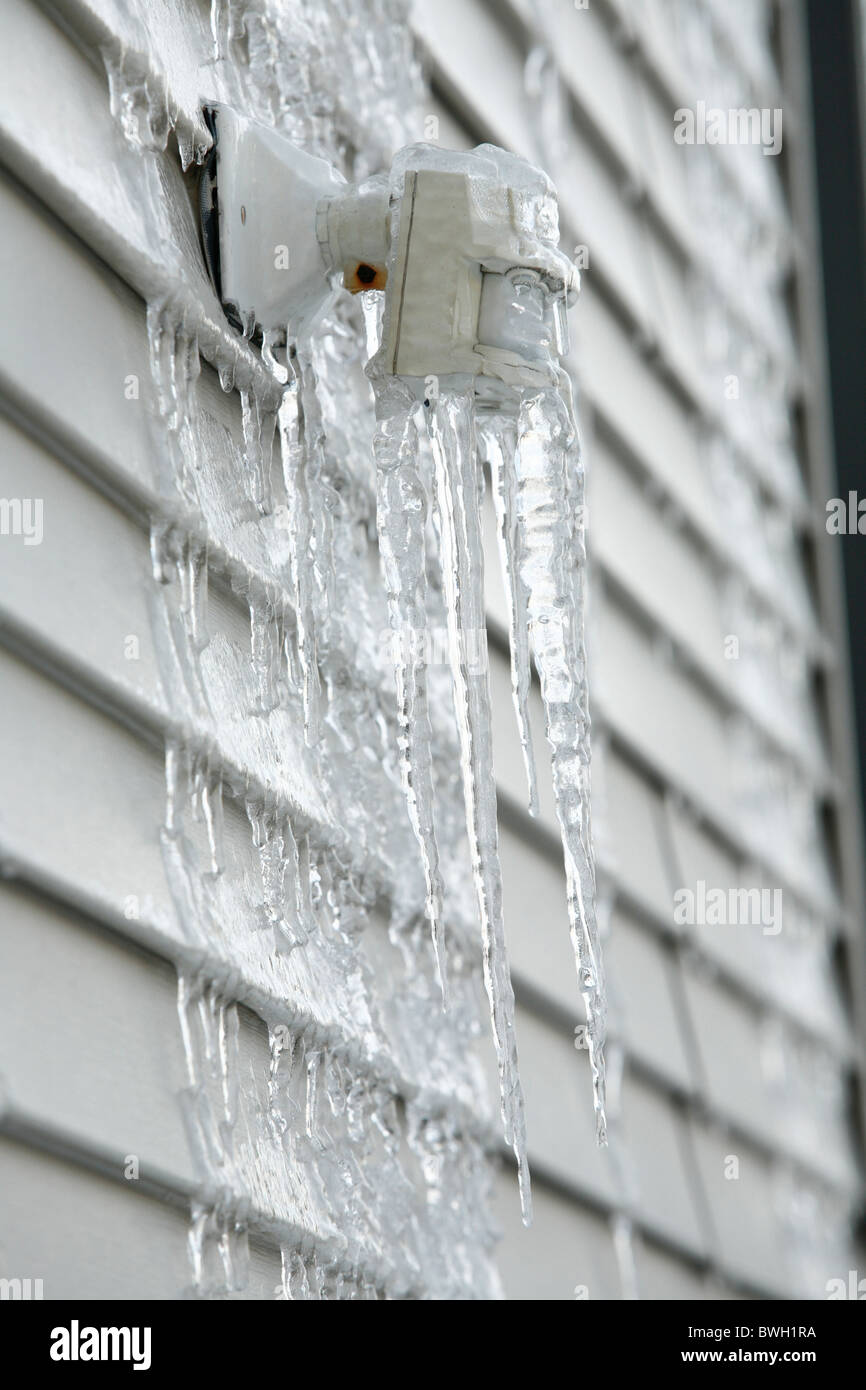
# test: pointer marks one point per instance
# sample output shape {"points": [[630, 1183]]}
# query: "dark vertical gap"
{"points": [[838, 113]]}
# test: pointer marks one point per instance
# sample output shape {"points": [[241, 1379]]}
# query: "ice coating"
{"points": [[334, 1112], [295, 465], [517, 403], [538, 481], [451, 424], [291, 902], [537, 475], [402, 513], [549, 505], [500, 446]]}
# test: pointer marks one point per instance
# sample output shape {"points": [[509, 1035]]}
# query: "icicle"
{"points": [[207, 1136], [282, 1059], [322, 499], [335, 1085], [500, 449], [228, 1028], [622, 1229], [294, 1280], [373, 307], [550, 511], [138, 98], [196, 1243], [175, 366], [172, 787], [185, 988], [220, 28], [176, 556], [314, 1063], [226, 373], [278, 371], [266, 652], [234, 1249], [212, 815], [195, 593], [292, 437], [281, 870], [223, 1231], [549, 112], [299, 931], [258, 429], [357, 1104], [401, 520], [160, 560], [451, 424]]}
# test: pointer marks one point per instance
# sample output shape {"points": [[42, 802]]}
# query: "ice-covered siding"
{"points": [[165, 1042], [307, 1089]]}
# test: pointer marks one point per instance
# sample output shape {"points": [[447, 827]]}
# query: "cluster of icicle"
{"points": [[363, 1149], [357, 1076], [430, 461], [326, 1136], [307, 68]]}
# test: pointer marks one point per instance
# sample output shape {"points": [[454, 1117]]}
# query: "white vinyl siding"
{"points": [[91, 1059]]}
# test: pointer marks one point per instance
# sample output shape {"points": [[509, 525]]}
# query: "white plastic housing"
{"points": [[464, 244], [469, 228], [272, 267]]}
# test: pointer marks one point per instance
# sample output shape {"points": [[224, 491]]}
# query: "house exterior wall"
{"points": [[225, 1068]]}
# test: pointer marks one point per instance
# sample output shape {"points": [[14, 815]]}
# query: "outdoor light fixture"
{"points": [[457, 241]]}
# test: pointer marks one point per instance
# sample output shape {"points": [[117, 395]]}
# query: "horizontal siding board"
{"points": [[657, 714], [58, 136], [605, 75], [651, 558], [643, 1007], [536, 916], [663, 1278], [746, 1082], [86, 824], [567, 1249], [95, 1239], [559, 1118], [82, 318], [752, 1245], [655, 1135], [562, 1146], [100, 1239], [659, 291], [661, 567], [791, 970], [92, 1058], [90, 1041], [634, 814], [86, 587]]}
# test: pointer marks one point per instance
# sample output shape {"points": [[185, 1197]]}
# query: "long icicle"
{"points": [[401, 517], [549, 506], [451, 425], [293, 432], [500, 447]]}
